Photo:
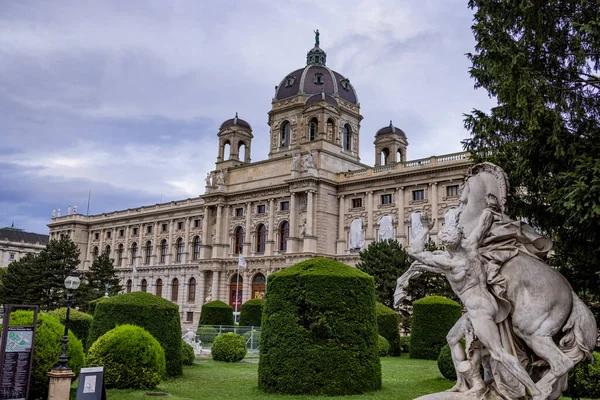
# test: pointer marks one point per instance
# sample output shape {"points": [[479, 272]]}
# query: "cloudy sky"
{"points": [[124, 98]]}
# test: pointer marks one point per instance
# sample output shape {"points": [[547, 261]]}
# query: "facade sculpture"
{"points": [[497, 267], [357, 238], [386, 228]]}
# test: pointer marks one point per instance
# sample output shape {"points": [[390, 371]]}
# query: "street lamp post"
{"points": [[71, 283]]}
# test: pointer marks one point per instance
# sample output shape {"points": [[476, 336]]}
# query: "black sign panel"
{"points": [[91, 384], [16, 353]]}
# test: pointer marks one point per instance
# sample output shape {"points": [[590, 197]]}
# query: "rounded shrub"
{"points": [[384, 346], [229, 347], [187, 354], [131, 356], [47, 347], [216, 313], [445, 364], [207, 334], [79, 322], [319, 332], [433, 317], [251, 313], [584, 380], [405, 344], [254, 334], [387, 326], [158, 316]]}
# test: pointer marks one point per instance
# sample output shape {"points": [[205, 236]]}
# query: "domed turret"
{"points": [[235, 137], [390, 145]]}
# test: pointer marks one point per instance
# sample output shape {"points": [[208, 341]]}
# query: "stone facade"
{"points": [[297, 204], [15, 244]]}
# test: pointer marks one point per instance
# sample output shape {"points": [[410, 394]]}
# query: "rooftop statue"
{"points": [[518, 309], [317, 38]]}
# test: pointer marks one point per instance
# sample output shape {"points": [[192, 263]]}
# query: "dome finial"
{"points": [[391, 123], [235, 119]]}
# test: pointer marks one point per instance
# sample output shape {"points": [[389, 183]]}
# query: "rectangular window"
{"points": [[180, 225], [149, 229], [452, 191], [239, 212], [108, 234], [196, 223], [11, 256], [96, 236], [190, 316], [164, 227], [284, 205], [135, 231], [121, 232], [356, 203], [260, 209], [386, 198], [418, 195]]}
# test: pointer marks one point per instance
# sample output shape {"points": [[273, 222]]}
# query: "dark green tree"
{"points": [[101, 273], [541, 62], [16, 285]]}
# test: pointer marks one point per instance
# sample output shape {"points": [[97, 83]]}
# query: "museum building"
{"points": [[311, 197]]}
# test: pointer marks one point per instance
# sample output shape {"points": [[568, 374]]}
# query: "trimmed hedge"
{"points": [[132, 358], [158, 316], [584, 380], [387, 326], [79, 322], [251, 313], [91, 307], [229, 347], [47, 348], [187, 354], [433, 317], [319, 332], [384, 346], [445, 363], [207, 334], [216, 313]]}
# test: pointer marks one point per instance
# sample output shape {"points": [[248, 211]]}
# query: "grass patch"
{"points": [[403, 378]]}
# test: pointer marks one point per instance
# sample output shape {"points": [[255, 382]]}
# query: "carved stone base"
{"points": [[491, 394], [60, 384]]}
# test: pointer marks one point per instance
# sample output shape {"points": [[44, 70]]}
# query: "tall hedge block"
{"points": [[433, 316], [216, 313], [251, 313], [91, 307], [79, 322], [387, 325], [319, 331], [158, 316]]}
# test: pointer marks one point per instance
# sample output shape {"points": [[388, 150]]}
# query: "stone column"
{"points": [[310, 240], [225, 242], [114, 238], [141, 246], [292, 236], [270, 242], [401, 230], [247, 288], [206, 245], [186, 240], [248, 233], [216, 250], [200, 288], [89, 251], [215, 285], [434, 208], [341, 240], [101, 247], [369, 237], [155, 246]]}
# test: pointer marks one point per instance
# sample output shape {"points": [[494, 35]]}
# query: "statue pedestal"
{"points": [[60, 384]]}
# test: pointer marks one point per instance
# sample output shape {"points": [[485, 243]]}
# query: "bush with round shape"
{"points": [[47, 348], [254, 334], [584, 380], [405, 344], [91, 306], [79, 322], [216, 312], [207, 334], [387, 326], [187, 354], [433, 316], [319, 332], [384, 346], [158, 316], [445, 364], [251, 313], [229, 347], [132, 358]]}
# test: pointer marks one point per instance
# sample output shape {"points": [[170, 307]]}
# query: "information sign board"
{"points": [[91, 384]]}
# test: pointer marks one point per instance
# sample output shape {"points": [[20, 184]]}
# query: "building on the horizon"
{"points": [[16, 243], [311, 197]]}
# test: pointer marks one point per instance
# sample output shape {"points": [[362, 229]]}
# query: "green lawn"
{"points": [[403, 378]]}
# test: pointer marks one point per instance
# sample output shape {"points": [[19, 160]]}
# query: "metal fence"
{"points": [[206, 335]]}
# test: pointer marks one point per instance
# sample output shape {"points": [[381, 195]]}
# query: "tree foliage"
{"points": [[541, 62], [94, 281]]}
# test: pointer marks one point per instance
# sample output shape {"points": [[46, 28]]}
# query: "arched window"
{"points": [[347, 137], [192, 290], [226, 150], [196, 254], [383, 156], [330, 130], [128, 286], [285, 134], [120, 255], [159, 287], [258, 286], [399, 156], [284, 232], [312, 129], [144, 285], [95, 252], [134, 252], [179, 250], [148, 252], [174, 289], [238, 240], [242, 151], [261, 238], [163, 251], [107, 250]]}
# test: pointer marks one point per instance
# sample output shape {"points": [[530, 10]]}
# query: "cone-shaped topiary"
{"points": [[79, 322], [319, 332], [251, 313], [47, 347], [132, 358], [433, 316], [216, 313], [387, 325], [158, 316], [229, 347]]}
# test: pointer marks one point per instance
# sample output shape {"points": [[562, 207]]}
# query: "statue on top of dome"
{"points": [[317, 38]]}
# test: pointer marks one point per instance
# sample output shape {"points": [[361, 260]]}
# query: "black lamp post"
{"points": [[71, 283]]}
